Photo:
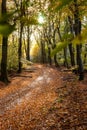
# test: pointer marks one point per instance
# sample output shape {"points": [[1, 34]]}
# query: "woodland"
{"points": [[43, 64]]}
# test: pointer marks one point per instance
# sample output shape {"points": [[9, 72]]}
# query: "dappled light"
{"points": [[41, 19]]}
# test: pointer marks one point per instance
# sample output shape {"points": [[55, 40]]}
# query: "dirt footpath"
{"points": [[43, 98]]}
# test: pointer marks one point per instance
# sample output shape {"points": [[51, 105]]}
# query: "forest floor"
{"points": [[43, 98]]}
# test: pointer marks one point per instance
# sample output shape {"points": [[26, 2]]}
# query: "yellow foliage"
{"points": [[35, 49], [82, 38]]}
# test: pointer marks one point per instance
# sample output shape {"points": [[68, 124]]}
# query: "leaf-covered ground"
{"points": [[43, 98]]}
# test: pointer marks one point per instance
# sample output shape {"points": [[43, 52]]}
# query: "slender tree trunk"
{"points": [[49, 56], [28, 44], [85, 58], [85, 55], [70, 45], [49, 52], [65, 57], [4, 75], [55, 60], [71, 54], [20, 49], [25, 48], [58, 30], [65, 49], [43, 54], [54, 46], [55, 57], [77, 29]]}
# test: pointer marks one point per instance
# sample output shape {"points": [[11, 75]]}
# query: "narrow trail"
{"points": [[28, 90], [43, 98]]}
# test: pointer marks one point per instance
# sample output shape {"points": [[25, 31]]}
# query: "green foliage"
{"points": [[82, 38], [29, 21], [6, 29], [12, 56], [57, 5], [63, 3], [27, 62], [68, 37], [6, 17], [59, 47]]}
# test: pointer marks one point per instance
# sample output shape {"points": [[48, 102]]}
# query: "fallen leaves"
{"points": [[52, 105]]}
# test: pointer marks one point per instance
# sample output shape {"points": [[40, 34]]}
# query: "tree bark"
{"points": [[43, 54], [70, 45], [77, 29], [20, 49], [28, 44], [49, 56], [4, 74], [54, 46], [71, 54], [65, 49], [55, 56], [85, 55], [65, 57]]}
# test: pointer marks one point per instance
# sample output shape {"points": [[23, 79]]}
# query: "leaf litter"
{"points": [[50, 100]]}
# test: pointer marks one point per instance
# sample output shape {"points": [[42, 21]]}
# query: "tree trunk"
{"points": [[71, 54], [20, 49], [65, 57], [85, 55], [4, 75], [55, 60], [28, 44], [54, 46], [77, 29], [70, 45], [65, 49], [49, 57], [43, 54], [49, 44], [55, 57]]}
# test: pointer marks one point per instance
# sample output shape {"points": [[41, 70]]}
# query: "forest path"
{"points": [[23, 88], [43, 98]]}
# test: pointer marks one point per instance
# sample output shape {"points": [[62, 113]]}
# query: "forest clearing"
{"points": [[46, 98]]}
